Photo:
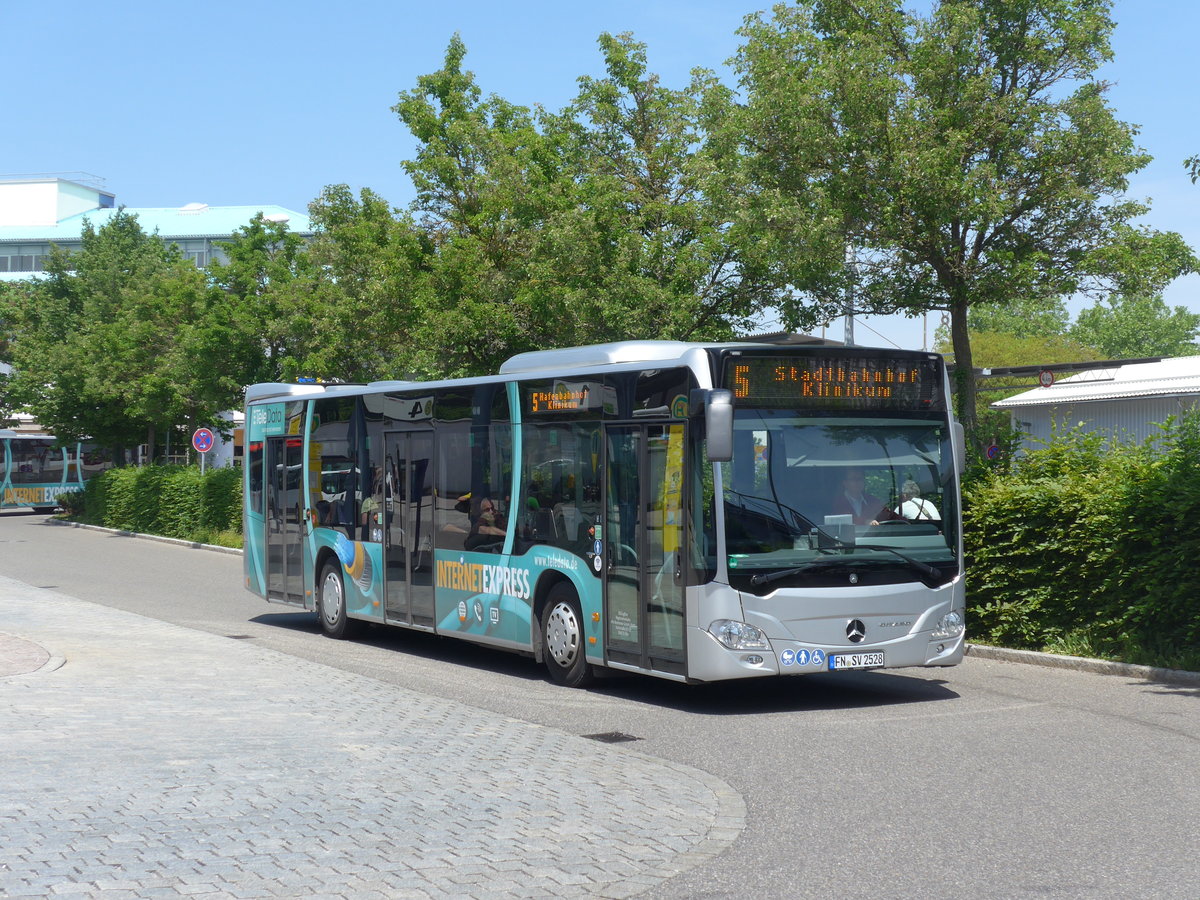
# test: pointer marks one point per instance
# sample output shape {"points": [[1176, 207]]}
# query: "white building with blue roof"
{"points": [[37, 211]]}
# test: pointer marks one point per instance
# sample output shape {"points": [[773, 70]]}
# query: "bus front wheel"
{"points": [[563, 642], [331, 603]]}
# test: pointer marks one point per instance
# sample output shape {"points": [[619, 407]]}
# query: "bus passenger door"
{"points": [[643, 543], [408, 527], [284, 499]]}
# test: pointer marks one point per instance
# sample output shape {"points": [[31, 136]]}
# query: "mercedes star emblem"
{"points": [[856, 631]]}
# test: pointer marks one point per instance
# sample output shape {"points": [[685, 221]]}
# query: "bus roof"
{"points": [[621, 354], [566, 361], [596, 355]]}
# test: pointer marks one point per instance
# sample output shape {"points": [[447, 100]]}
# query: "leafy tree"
{"points": [[9, 302], [1023, 317], [966, 157], [601, 222], [375, 272], [266, 300], [484, 176], [60, 375], [652, 243], [12, 299], [1134, 321], [120, 341], [1130, 327]]}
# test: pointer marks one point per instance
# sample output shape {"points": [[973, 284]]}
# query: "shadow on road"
{"points": [[747, 697], [783, 694]]}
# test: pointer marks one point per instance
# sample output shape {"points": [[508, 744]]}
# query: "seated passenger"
{"points": [[487, 528], [912, 507]]}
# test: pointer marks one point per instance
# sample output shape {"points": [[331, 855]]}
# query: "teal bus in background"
{"points": [[674, 509], [36, 468]]}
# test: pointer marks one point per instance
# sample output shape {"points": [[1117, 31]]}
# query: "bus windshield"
{"points": [[813, 500]]}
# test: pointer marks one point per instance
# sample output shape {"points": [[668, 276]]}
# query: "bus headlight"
{"points": [[951, 625], [738, 635]]}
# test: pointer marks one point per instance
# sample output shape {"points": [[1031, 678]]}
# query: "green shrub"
{"points": [[173, 501], [1091, 547], [71, 502], [221, 496]]}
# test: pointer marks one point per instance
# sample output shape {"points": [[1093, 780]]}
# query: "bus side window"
{"points": [[452, 494], [558, 470], [254, 477], [339, 432]]}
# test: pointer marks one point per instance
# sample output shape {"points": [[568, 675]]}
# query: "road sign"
{"points": [[202, 440], [1045, 378]]}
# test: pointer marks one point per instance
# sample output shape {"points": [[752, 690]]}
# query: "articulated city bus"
{"points": [[36, 468], [693, 512]]}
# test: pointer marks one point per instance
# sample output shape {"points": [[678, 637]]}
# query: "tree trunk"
{"points": [[149, 460], [964, 372]]}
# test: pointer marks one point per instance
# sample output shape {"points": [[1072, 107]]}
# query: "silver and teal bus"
{"points": [[693, 512], [36, 468]]}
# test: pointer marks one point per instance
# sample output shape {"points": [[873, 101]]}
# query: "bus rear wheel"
{"points": [[563, 642], [331, 603]]}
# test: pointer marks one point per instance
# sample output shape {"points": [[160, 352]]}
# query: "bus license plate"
{"points": [[872, 660]]}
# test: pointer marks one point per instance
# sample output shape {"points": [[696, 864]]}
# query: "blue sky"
{"points": [[267, 102]]}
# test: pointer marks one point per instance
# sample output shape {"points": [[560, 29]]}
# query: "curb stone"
{"points": [[195, 545], [1084, 664]]}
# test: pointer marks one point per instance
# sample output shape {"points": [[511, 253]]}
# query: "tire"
{"points": [[563, 641], [331, 603]]}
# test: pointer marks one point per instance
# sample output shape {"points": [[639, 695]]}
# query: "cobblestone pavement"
{"points": [[142, 759]]}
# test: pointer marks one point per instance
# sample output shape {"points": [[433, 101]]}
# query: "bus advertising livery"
{"points": [[693, 512]]}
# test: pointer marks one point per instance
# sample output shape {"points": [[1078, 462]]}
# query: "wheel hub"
{"points": [[562, 635], [331, 599]]}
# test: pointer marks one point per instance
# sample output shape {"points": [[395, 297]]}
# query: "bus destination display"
{"points": [[861, 382], [562, 398], [568, 396]]}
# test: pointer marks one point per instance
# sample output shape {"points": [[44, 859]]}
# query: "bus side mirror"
{"points": [[718, 421], [960, 447]]}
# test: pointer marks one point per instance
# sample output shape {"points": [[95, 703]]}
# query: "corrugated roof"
{"points": [[1177, 376], [196, 220]]}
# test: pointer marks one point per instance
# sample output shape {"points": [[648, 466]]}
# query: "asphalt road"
{"points": [[991, 779]]}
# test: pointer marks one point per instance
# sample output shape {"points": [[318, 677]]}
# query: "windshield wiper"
{"points": [[815, 565], [928, 571]]}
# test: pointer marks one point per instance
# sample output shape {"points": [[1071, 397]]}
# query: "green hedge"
{"points": [[174, 501], [1089, 548]]}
